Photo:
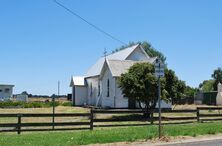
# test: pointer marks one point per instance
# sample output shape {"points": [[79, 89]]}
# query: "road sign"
{"points": [[159, 74], [159, 69], [159, 65]]}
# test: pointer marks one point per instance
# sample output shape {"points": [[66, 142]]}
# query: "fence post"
{"points": [[19, 124], [198, 115], [91, 119], [151, 117]]}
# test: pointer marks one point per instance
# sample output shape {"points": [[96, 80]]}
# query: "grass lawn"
{"points": [[106, 135]]}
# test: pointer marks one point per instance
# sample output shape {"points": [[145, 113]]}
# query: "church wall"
{"points": [[108, 101], [92, 90], [80, 95], [120, 101]]}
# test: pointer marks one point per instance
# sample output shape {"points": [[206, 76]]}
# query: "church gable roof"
{"points": [[95, 70], [118, 67]]}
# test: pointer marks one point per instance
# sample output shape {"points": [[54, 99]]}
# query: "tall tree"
{"points": [[190, 92], [174, 87], [140, 84], [217, 76], [152, 52], [207, 85]]}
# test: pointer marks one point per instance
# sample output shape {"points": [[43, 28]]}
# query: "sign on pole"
{"points": [[159, 69], [159, 72]]}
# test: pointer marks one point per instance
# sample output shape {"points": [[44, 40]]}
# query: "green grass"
{"points": [[106, 135]]}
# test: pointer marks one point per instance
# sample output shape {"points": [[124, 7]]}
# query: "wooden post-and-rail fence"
{"points": [[18, 127], [91, 119]]}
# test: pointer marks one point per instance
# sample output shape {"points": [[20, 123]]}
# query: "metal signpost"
{"points": [[159, 72], [53, 111]]}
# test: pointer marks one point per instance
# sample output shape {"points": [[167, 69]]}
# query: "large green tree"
{"points": [[152, 52], [217, 76], [140, 84], [175, 88], [207, 85], [190, 91]]}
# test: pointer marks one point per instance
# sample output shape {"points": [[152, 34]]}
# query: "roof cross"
{"points": [[105, 53]]}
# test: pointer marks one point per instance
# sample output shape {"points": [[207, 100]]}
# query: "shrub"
{"points": [[67, 104], [36, 104]]}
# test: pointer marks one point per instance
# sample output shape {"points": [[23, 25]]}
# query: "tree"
{"points": [[24, 93], [174, 87], [150, 50], [207, 85], [140, 84], [171, 84], [190, 92], [217, 76]]}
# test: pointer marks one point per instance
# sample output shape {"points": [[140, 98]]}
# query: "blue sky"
{"points": [[41, 43]]}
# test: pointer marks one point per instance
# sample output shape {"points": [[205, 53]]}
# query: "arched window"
{"points": [[108, 88], [91, 89], [99, 89]]}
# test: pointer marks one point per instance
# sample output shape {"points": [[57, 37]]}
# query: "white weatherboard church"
{"points": [[99, 86]]}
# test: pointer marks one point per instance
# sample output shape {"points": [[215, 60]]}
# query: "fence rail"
{"points": [[17, 127], [118, 116], [209, 117]]}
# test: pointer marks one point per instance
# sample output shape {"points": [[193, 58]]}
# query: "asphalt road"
{"points": [[217, 142]]}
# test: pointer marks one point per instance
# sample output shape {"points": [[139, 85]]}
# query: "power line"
{"points": [[89, 23]]}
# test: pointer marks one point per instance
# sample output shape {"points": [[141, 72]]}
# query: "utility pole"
{"points": [[53, 111], [58, 87], [159, 102]]}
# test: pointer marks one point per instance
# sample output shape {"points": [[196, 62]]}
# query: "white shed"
{"points": [[22, 97], [6, 92], [79, 90]]}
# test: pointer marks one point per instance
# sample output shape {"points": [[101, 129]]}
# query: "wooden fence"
{"points": [[98, 118], [17, 127], [213, 114], [134, 118]]}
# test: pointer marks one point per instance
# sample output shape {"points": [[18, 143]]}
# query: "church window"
{"points": [[98, 89], [91, 89], [108, 88]]}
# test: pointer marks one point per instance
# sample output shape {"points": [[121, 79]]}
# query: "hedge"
{"points": [[36, 104]]}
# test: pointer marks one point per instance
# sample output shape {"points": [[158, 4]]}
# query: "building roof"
{"points": [[120, 55], [78, 81], [118, 67], [7, 85]]}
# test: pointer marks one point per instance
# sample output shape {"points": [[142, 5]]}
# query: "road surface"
{"points": [[217, 142]]}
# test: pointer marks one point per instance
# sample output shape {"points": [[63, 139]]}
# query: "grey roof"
{"points": [[6, 85], [77, 81], [120, 55], [118, 67]]}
